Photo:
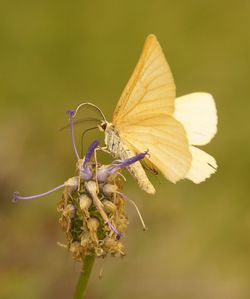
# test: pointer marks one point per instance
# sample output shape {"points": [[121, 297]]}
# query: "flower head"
{"points": [[93, 215], [92, 206]]}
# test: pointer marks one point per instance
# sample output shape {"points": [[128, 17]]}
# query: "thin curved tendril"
{"points": [[137, 209]]}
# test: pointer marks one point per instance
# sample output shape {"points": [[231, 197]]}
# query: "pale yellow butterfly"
{"points": [[149, 117]]}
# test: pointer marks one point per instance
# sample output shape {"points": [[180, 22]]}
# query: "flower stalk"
{"points": [[81, 286]]}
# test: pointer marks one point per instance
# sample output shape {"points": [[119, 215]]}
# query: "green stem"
{"points": [[81, 286]]}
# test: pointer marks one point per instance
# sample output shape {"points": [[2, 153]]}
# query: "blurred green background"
{"points": [[55, 54]]}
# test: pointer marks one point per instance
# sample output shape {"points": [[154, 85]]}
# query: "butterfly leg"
{"points": [[104, 149]]}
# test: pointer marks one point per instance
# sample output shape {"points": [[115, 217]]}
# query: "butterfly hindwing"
{"points": [[166, 140]]}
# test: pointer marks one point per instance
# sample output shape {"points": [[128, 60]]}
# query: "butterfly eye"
{"points": [[103, 126]]}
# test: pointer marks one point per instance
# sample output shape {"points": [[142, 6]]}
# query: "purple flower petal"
{"points": [[118, 235], [16, 195], [86, 173], [117, 165]]}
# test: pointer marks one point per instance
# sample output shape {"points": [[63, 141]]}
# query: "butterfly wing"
{"points": [[143, 115], [150, 89], [166, 140], [197, 112], [202, 167]]}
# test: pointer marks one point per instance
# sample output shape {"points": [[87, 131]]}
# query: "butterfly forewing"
{"points": [[151, 88], [143, 116]]}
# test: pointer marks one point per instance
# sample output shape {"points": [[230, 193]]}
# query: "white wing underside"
{"points": [[197, 112], [202, 167]]}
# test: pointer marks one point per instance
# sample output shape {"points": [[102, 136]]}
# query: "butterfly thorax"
{"points": [[113, 140]]}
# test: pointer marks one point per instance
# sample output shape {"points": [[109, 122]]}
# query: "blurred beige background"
{"points": [[55, 54]]}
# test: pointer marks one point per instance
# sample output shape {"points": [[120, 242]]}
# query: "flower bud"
{"points": [[102, 173], [85, 202], [93, 224], [72, 184], [91, 187], [108, 206], [85, 239], [69, 211], [108, 189], [85, 173]]}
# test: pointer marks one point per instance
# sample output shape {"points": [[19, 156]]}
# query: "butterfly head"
{"points": [[105, 126]]}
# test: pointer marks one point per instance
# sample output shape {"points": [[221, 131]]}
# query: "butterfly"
{"points": [[149, 117]]}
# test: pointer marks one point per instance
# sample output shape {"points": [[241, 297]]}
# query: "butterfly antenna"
{"points": [[91, 105], [81, 121]]}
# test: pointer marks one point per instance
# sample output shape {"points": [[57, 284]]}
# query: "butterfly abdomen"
{"points": [[119, 149]]}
